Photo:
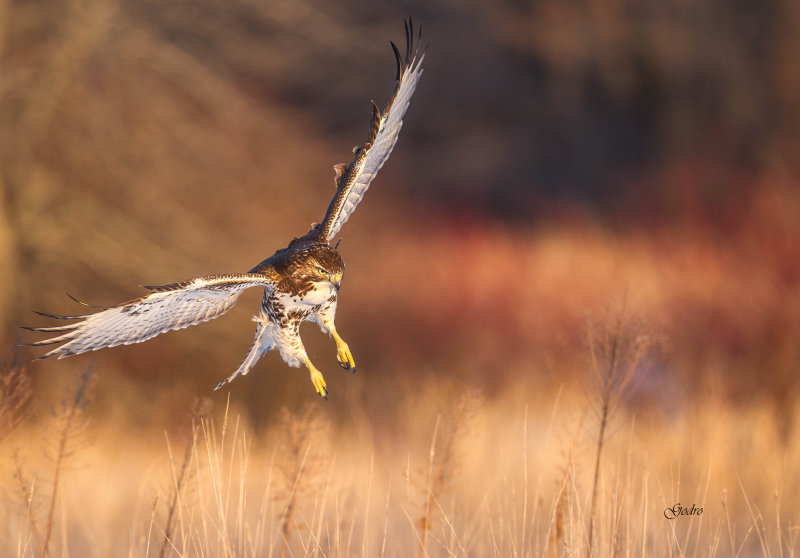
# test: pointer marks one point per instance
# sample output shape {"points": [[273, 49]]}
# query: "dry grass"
{"points": [[509, 475], [130, 129], [616, 349], [68, 422], [16, 391]]}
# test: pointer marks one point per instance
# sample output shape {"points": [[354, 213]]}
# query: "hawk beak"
{"points": [[336, 279]]}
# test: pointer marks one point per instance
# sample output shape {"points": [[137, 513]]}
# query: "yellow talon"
{"points": [[319, 383], [344, 356], [316, 378]]}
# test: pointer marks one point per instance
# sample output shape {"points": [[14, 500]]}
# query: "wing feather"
{"points": [[168, 307], [384, 130]]}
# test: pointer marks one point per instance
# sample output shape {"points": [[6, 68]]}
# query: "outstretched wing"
{"points": [[168, 307], [354, 179]]}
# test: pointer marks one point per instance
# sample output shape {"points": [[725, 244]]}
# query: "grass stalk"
{"points": [[68, 419], [615, 350]]}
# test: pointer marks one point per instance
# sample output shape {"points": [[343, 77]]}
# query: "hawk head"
{"points": [[325, 264], [312, 262]]}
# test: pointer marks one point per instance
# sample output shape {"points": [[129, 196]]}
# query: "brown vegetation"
{"points": [[558, 156]]}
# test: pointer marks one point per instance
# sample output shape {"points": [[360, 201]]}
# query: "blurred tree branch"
{"points": [[27, 109]]}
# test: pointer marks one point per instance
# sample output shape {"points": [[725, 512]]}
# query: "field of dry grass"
{"points": [[473, 425], [510, 475], [572, 454], [573, 295]]}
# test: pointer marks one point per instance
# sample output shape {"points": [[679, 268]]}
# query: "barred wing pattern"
{"points": [[354, 179], [168, 307], [299, 281]]}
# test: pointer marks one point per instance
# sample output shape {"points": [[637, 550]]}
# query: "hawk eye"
{"points": [[322, 270]]}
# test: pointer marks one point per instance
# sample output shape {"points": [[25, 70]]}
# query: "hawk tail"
{"points": [[261, 345]]}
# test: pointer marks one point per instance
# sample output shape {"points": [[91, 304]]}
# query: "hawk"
{"points": [[300, 282]]}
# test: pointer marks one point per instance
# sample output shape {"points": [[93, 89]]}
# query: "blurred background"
{"points": [[558, 157]]}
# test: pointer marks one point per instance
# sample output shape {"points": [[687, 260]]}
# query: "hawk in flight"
{"points": [[300, 282]]}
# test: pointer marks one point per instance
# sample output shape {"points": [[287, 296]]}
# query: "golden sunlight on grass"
{"points": [[504, 476], [573, 294]]}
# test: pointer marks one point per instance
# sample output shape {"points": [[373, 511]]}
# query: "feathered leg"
{"points": [[294, 353], [324, 318]]}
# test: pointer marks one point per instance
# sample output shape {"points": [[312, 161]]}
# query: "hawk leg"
{"points": [[343, 354], [289, 344], [316, 378]]}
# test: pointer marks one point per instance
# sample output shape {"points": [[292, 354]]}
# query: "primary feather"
{"points": [[301, 282], [355, 178], [168, 307]]}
